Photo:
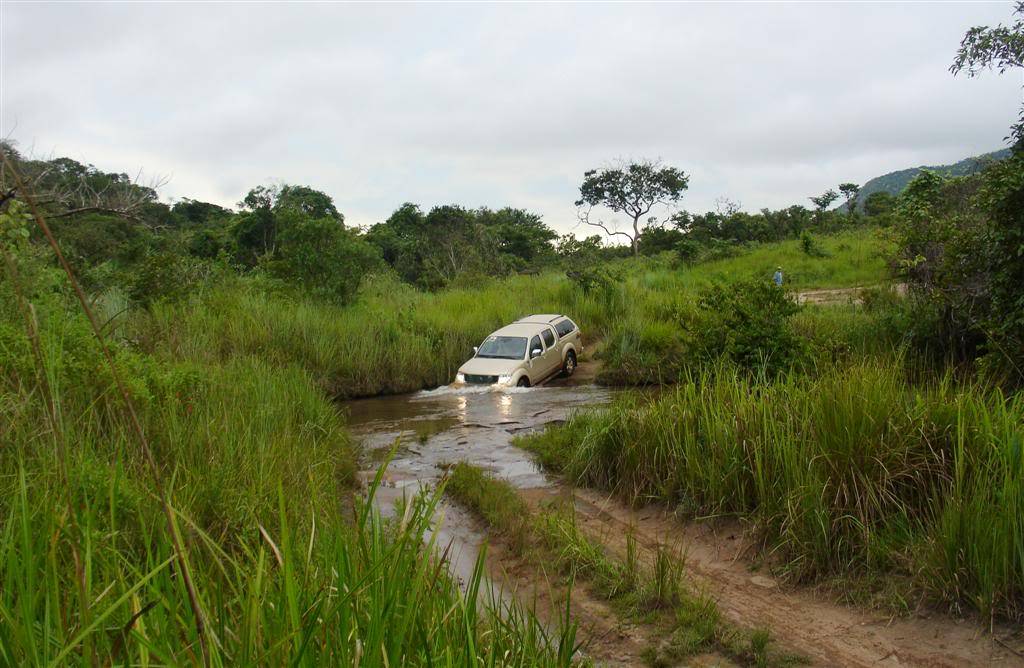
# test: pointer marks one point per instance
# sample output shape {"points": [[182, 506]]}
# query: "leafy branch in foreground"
{"points": [[1000, 48]]}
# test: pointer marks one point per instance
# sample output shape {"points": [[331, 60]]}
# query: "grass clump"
{"points": [[498, 505]]}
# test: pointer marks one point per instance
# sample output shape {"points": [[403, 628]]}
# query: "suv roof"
{"points": [[542, 318], [520, 328]]}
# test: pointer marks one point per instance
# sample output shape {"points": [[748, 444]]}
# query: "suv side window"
{"points": [[549, 337], [564, 327], [534, 344]]}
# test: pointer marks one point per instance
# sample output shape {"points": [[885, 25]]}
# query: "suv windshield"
{"points": [[503, 347]]}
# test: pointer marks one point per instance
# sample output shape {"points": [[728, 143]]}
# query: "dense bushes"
{"points": [[849, 472], [323, 258], [745, 322], [960, 250], [435, 249], [748, 324]]}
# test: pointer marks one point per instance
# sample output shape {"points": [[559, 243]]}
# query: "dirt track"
{"points": [[839, 295], [828, 633], [801, 621]]}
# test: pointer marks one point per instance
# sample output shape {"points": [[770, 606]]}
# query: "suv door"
{"points": [[535, 369], [552, 351]]}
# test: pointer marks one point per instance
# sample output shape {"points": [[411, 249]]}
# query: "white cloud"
{"points": [[498, 104]]}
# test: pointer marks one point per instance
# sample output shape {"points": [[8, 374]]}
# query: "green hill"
{"points": [[895, 182]]}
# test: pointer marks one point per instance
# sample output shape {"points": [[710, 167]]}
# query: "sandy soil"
{"points": [[827, 633], [839, 295]]}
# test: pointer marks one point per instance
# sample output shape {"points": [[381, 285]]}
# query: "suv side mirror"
{"points": [[475, 349], [535, 353]]}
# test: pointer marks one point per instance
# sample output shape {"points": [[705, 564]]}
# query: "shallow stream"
{"points": [[437, 428]]}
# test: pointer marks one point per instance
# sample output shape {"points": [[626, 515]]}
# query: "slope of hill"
{"points": [[895, 182]]}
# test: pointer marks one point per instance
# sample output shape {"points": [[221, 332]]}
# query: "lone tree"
{"points": [[822, 202], [633, 189], [850, 191]]}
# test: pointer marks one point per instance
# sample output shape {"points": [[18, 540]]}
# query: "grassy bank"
{"points": [[234, 387], [290, 564], [849, 472]]}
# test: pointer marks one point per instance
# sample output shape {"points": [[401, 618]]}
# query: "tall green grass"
{"points": [[851, 471], [394, 339], [230, 386], [398, 339], [291, 564]]}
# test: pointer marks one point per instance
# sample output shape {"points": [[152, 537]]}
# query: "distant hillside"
{"points": [[895, 182]]}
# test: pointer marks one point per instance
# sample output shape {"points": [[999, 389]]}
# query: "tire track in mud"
{"points": [[605, 637], [830, 634]]}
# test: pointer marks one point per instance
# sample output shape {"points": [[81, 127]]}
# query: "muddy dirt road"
{"points": [[440, 427]]}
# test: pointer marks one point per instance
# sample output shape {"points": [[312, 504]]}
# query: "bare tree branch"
{"points": [[65, 188], [583, 214]]}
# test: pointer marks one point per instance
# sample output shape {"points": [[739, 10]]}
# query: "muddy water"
{"points": [[436, 428]]}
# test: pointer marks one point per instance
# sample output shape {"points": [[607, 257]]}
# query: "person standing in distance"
{"points": [[778, 276]]}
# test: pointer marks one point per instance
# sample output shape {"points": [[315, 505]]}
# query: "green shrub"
{"points": [[749, 324], [322, 257], [687, 251], [810, 246]]}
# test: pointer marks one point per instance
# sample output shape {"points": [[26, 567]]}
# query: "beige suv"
{"points": [[525, 353]]}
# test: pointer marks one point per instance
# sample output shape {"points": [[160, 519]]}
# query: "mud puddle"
{"points": [[439, 427], [434, 429]]}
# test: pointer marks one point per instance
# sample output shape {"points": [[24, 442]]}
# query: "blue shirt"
{"points": [[777, 278]]}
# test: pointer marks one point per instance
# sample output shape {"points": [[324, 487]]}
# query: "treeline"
{"points": [[691, 233], [118, 235], [959, 241]]}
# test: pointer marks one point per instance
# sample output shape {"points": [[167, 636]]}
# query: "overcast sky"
{"points": [[498, 104]]}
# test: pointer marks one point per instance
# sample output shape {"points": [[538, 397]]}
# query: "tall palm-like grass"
{"points": [[850, 471]]}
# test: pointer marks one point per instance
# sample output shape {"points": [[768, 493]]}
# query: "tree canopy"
{"points": [[434, 249], [1000, 48], [633, 189]]}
